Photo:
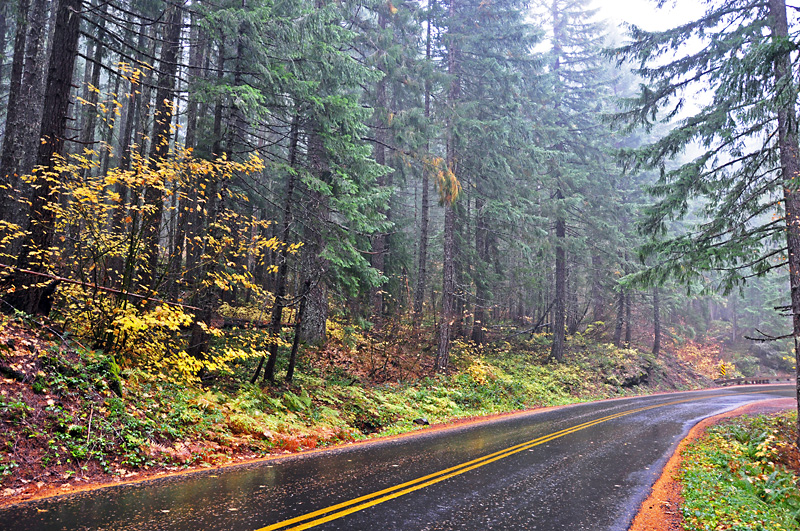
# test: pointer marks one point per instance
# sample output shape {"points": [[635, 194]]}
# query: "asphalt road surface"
{"points": [[587, 466]]}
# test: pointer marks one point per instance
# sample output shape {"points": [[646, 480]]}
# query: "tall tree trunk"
{"points": [[33, 80], [194, 219], [205, 295], [3, 30], [574, 316], [29, 298], [448, 259], [164, 111], [656, 321], [88, 130], [460, 240], [422, 267], [628, 319], [481, 284], [116, 265], [620, 318], [298, 325], [9, 156], [283, 257], [314, 266], [380, 239], [188, 219], [448, 290], [790, 168], [598, 304], [560, 306]]}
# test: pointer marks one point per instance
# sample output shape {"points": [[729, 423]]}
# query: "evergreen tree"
{"points": [[748, 139]]}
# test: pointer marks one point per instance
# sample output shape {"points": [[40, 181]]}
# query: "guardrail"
{"points": [[754, 380]]}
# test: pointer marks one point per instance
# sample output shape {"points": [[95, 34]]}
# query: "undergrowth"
{"points": [[742, 476], [76, 413]]}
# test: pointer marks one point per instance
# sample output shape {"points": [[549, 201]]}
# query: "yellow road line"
{"points": [[369, 500]]}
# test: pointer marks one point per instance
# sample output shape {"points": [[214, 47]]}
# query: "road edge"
{"points": [[56, 491], [660, 511]]}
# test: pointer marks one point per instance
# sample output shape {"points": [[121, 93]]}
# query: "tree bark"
{"points": [[205, 295], [314, 267], [33, 80], [380, 240], [164, 112], [29, 297], [422, 267], [559, 308], [628, 310], [598, 304], [620, 318], [481, 284], [88, 130], [283, 257], [448, 259], [8, 158], [656, 321], [188, 219], [790, 170], [298, 325], [448, 291], [3, 30]]}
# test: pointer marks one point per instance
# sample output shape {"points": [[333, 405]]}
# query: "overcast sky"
{"points": [[646, 15]]}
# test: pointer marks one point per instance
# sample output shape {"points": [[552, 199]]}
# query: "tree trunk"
{"points": [[3, 30], [559, 308], [790, 168], [298, 325], [194, 219], [33, 80], [314, 268], [448, 259], [88, 130], [448, 291], [620, 317], [422, 268], [598, 304], [481, 284], [380, 239], [574, 316], [30, 296], [628, 310], [656, 321], [205, 295], [164, 111], [9, 156], [283, 257]]}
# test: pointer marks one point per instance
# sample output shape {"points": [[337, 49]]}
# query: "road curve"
{"points": [[587, 466]]}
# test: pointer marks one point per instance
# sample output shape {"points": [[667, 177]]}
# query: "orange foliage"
{"points": [[705, 358]]}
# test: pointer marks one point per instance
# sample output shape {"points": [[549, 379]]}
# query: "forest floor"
{"points": [[65, 427]]}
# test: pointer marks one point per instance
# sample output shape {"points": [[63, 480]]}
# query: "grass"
{"points": [[741, 476]]}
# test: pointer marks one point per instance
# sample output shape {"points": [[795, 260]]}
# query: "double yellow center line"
{"points": [[333, 512]]}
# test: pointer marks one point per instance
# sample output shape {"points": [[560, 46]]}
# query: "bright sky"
{"points": [[646, 15]]}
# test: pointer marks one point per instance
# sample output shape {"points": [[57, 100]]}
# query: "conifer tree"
{"points": [[748, 135]]}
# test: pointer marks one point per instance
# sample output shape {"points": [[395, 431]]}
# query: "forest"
{"points": [[233, 189], [232, 229]]}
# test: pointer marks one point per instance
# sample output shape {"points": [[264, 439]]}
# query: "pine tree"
{"points": [[748, 136], [579, 161]]}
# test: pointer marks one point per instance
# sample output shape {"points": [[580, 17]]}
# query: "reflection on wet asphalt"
{"points": [[593, 478]]}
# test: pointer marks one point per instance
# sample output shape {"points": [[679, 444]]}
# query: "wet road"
{"points": [[587, 466]]}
